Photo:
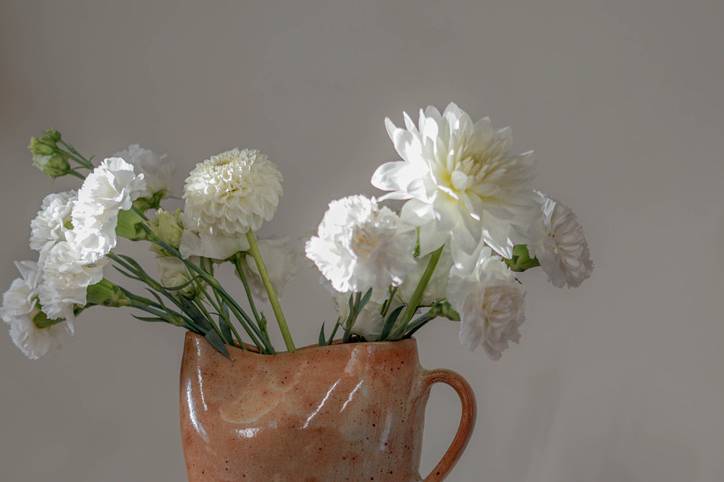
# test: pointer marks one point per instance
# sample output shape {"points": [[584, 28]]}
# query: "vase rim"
{"points": [[337, 345]]}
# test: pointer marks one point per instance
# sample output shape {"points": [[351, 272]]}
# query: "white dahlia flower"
{"points": [[459, 178], [489, 299], [110, 188], [282, 261], [232, 193], [157, 170], [362, 245], [65, 279], [52, 222], [20, 308], [560, 245]]}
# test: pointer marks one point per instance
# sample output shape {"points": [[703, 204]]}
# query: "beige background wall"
{"points": [[621, 380]]}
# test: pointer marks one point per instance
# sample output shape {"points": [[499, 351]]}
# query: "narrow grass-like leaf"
{"points": [[149, 319], [215, 340], [322, 336], [390, 322], [334, 331]]}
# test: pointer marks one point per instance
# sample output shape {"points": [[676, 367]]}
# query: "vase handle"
{"points": [[467, 420]]}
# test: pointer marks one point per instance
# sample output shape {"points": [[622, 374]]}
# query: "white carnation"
{"points": [[20, 307], [110, 188], [282, 261], [560, 245], [232, 193], [51, 223], [362, 245], [65, 280], [489, 299], [157, 170], [459, 178]]}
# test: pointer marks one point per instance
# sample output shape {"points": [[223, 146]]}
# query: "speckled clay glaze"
{"points": [[352, 412]]}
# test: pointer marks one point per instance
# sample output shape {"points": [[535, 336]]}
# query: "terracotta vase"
{"points": [[352, 412]]}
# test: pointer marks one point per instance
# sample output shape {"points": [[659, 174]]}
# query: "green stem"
{"points": [[249, 326], [273, 298], [247, 289], [75, 173], [75, 155], [416, 298]]}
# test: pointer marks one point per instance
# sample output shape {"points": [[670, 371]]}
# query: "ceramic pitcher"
{"points": [[346, 412]]}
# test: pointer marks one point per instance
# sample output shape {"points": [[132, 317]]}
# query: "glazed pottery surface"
{"points": [[348, 412]]}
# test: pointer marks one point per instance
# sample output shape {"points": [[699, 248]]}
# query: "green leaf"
{"points": [[225, 329], [334, 332], [151, 319], [364, 301], [215, 340], [390, 322], [322, 336]]}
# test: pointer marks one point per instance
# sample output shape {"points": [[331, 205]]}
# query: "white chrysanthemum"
{"points": [[560, 245], [157, 170], [232, 193], [361, 245], [20, 307], [65, 280], [110, 188], [489, 299], [51, 223], [282, 261], [459, 178]]}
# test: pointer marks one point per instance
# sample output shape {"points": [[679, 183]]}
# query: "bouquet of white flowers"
{"points": [[468, 221]]}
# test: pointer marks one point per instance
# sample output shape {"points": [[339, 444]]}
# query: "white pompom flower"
{"points": [[232, 193], [557, 240], [109, 189], [459, 178], [489, 299], [362, 245], [157, 170], [65, 279], [52, 222], [19, 309], [281, 258]]}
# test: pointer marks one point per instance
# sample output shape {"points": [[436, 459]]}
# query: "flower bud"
{"points": [[39, 148], [106, 293], [168, 227], [52, 135], [55, 165]]}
